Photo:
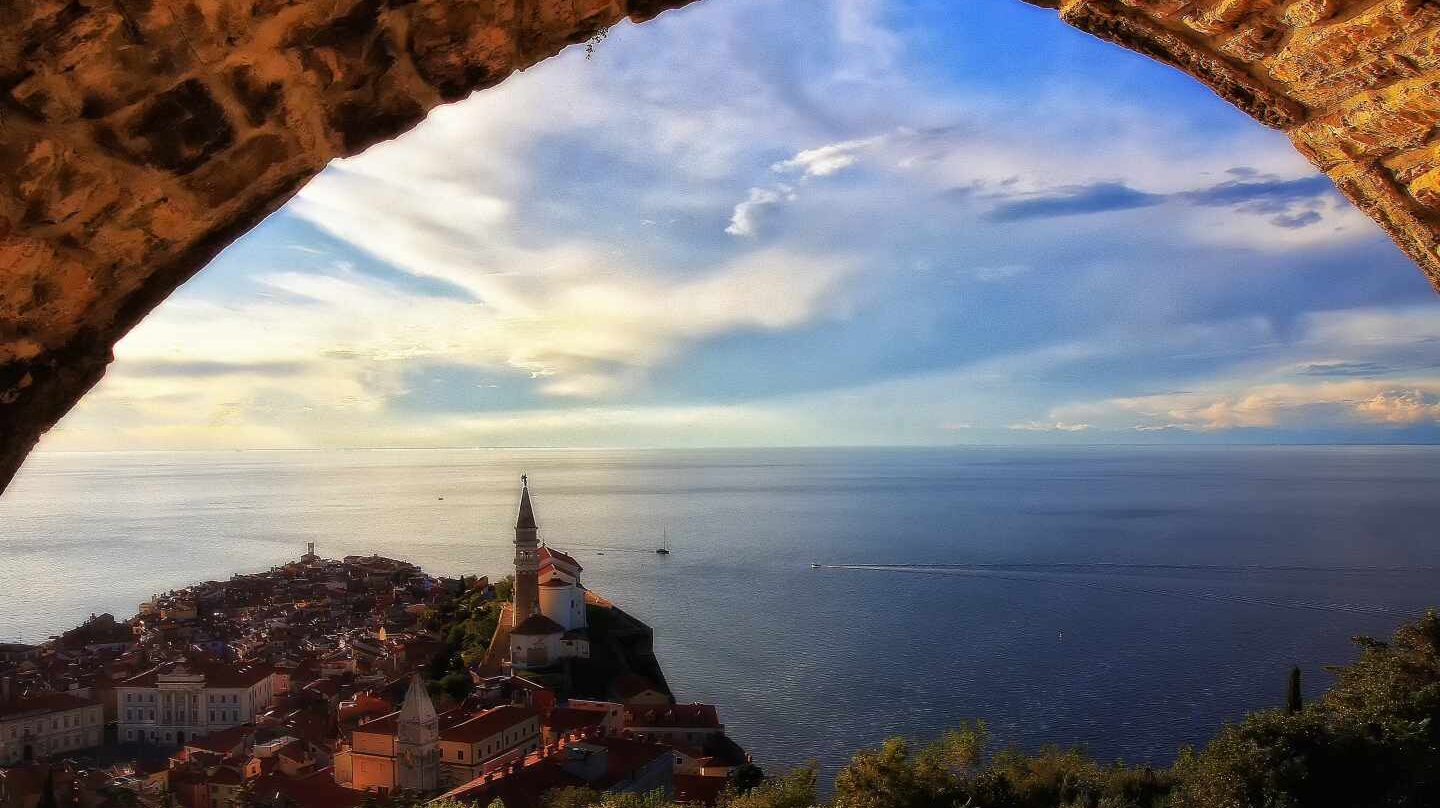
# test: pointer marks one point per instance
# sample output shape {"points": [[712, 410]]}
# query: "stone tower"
{"points": [[417, 741], [527, 558]]}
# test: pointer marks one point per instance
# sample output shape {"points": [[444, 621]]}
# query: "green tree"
{"points": [[456, 685], [892, 776], [1372, 740], [794, 789], [746, 777], [579, 797], [571, 797], [505, 590]]}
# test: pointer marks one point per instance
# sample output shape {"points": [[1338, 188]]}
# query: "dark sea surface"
{"points": [[1131, 600]]}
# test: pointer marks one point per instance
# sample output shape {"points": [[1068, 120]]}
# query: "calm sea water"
{"points": [[1130, 600]]}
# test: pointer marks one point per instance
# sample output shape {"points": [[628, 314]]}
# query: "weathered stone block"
{"points": [[1426, 188], [456, 52], [179, 129], [1313, 53]]}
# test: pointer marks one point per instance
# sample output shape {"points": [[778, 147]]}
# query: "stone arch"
{"points": [[138, 138]]}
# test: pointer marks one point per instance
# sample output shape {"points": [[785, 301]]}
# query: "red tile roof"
{"points": [[217, 674], [674, 715], [551, 555], [318, 790], [222, 742], [522, 789], [632, 684], [487, 724], [41, 703], [624, 756], [566, 719], [384, 725], [537, 625]]}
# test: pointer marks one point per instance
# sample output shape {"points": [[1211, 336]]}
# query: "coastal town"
{"points": [[335, 683]]}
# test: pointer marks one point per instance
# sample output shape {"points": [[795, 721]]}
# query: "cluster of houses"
{"points": [[299, 687]]}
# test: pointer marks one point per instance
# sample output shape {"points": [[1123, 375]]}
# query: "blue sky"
{"points": [[762, 223]]}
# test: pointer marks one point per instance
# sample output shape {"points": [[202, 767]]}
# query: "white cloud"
{"points": [[1288, 404], [1338, 222], [826, 160], [577, 334], [525, 203], [1051, 426], [745, 219], [996, 274]]}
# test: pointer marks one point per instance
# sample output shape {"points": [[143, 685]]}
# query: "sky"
{"points": [[761, 223]]}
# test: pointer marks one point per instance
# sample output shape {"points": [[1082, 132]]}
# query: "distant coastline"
{"points": [[89, 534]]}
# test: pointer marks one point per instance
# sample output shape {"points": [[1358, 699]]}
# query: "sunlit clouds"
{"points": [[752, 223]]}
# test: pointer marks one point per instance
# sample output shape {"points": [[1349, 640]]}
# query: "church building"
{"points": [[549, 614], [396, 752]]}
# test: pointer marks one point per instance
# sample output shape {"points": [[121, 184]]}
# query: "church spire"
{"points": [[417, 709], [417, 741], [526, 519], [527, 558]]}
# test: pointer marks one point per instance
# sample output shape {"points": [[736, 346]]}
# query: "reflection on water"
{"points": [[1127, 599]]}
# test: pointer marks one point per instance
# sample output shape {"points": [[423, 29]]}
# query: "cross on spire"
{"points": [[526, 518]]}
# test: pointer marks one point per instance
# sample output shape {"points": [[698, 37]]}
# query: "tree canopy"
{"points": [[1372, 741]]}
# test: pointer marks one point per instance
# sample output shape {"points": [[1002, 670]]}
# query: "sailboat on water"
{"points": [[664, 549]]}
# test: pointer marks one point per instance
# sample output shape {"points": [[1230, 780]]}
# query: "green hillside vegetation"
{"points": [[466, 624], [1372, 741]]}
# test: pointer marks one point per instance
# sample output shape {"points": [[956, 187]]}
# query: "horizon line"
{"points": [[770, 447]]}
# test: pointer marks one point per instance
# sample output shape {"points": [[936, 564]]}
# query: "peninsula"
{"points": [[327, 683]]}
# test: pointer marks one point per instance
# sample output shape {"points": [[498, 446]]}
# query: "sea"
{"points": [[1127, 600]]}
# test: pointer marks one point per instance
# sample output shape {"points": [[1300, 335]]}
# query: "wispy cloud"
{"points": [[1343, 368], [1048, 426], [1391, 403], [1292, 203], [824, 161], [1271, 195], [609, 251], [1075, 200]]}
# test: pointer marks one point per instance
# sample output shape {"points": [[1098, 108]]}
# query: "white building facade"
{"points": [[175, 703], [555, 628], [38, 726]]}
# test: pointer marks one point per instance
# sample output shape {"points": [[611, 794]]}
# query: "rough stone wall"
{"points": [[139, 137], [1355, 83]]}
